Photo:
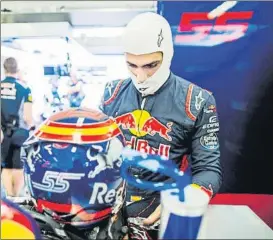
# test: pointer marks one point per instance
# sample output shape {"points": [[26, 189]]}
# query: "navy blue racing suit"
{"points": [[179, 122]]}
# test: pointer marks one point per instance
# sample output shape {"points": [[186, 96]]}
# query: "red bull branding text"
{"points": [[144, 147]]}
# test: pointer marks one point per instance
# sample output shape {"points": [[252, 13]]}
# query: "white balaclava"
{"points": [[149, 33]]}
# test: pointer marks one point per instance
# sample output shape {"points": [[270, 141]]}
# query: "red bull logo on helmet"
{"points": [[141, 123]]}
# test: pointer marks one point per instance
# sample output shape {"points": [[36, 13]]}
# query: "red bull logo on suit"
{"points": [[141, 123]]}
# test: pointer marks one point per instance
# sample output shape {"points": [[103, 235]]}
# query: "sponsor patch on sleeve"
{"points": [[209, 141]]}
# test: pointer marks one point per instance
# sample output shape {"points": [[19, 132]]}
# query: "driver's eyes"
{"points": [[151, 66]]}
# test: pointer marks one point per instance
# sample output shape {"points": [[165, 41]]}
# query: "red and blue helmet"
{"points": [[72, 167]]}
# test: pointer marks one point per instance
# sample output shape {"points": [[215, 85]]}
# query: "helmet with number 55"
{"points": [[72, 168]]}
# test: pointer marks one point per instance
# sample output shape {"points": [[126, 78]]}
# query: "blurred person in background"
{"points": [[75, 92], [161, 113], [52, 98], [16, 119]]}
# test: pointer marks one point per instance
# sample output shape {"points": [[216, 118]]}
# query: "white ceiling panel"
{"points": [[68, 6], [102, 18], [37, 29], [95, 25]]}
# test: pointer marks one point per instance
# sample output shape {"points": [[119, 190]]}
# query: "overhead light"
{"points": [[101, 32], [221, 9], [59, 48], [57, 45]]}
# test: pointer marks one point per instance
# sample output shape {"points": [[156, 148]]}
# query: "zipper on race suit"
{"points": [[143, 103], [135, 171], [141, 107]]}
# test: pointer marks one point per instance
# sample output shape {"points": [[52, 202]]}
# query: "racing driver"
{"points": [[161, 113]]}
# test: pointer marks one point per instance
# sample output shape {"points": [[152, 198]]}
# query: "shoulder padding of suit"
{"points": [[112, 90], [196, 97]]}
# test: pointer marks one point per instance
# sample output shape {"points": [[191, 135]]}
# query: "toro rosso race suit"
{"points": [[179, 122]]}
